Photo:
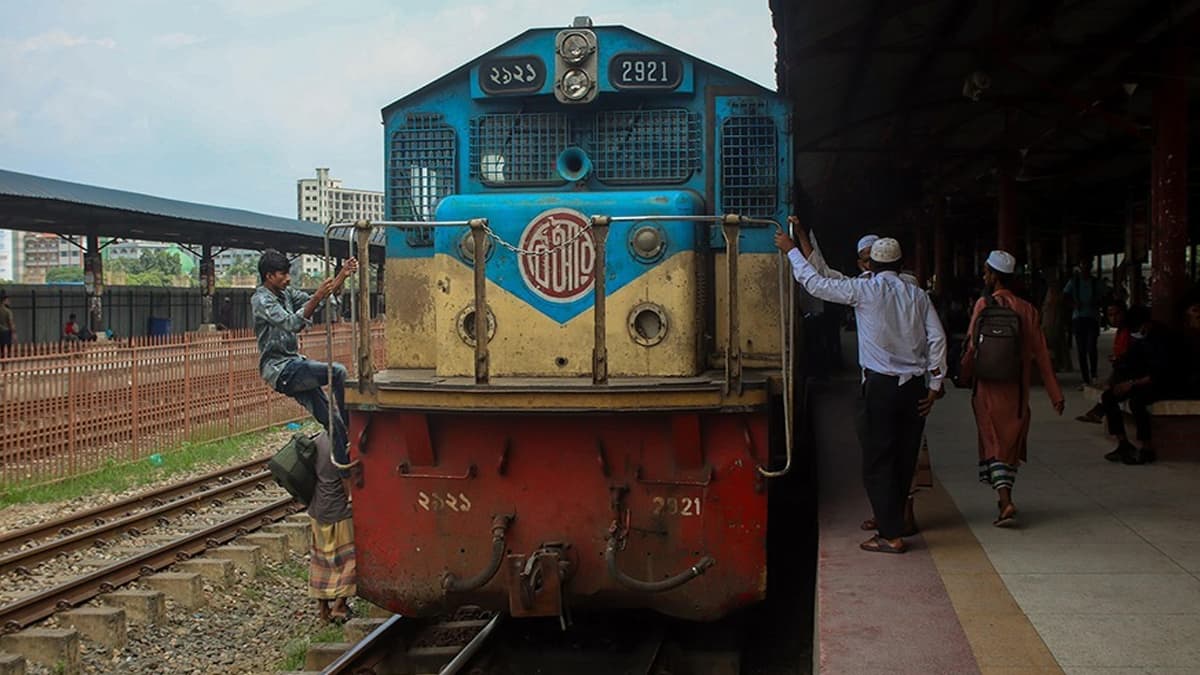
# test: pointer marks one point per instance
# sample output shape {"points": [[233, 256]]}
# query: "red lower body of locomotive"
{"points": [[540, 514]]}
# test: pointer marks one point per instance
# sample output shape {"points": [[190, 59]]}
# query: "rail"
{"points": [[75, 592], [23, 560], [100, 514]]}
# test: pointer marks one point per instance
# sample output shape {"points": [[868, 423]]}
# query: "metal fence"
{"points": [[70, 408]]}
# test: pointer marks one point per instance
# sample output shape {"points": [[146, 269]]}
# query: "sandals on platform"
{"points": [[881, 545]]}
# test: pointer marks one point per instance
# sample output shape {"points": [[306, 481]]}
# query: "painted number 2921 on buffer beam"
{"points": [[599, 207]]}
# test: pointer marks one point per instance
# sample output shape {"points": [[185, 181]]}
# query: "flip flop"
{"points": [[1007, 516], [881, 545]]}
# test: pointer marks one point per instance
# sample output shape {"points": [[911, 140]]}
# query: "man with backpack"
{"points": [[1085, 294], [1006, 341]]}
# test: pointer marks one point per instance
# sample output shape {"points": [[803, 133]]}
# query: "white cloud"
{"points": [[60, 39], [175, 40]]}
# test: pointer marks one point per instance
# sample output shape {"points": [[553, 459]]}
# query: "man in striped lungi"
{"points": [[332, 570]]}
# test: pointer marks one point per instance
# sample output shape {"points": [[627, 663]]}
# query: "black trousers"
{"points": [[1087, 333], [1140, 399], [889, 430]]}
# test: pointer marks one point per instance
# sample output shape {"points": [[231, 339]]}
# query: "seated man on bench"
{"points": [[1145, 374]]}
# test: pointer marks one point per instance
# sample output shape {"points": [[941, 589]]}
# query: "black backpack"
{"points": [[294, 467], [998, 345]]}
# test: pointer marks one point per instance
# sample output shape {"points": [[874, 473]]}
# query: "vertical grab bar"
{"points": [[731, 229], [366, 364], [479, 235], [600, 225]]}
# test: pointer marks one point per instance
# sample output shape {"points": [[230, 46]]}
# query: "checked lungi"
{"points": [[332, 572]]}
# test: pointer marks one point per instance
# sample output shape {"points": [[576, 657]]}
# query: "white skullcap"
{"points": [[866, 242], [886, 250], [1002, 261]]}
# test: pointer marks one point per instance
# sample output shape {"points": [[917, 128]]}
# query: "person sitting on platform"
{"points": [[1116, 313], [1001, 407], [900, 343], [71, 329], [280, 313], [1147, 373]]}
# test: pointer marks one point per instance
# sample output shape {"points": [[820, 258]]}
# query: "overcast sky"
{"points": [[228, 102]]}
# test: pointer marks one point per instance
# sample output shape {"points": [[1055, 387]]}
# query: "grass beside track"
{"points": [[117, 477]]}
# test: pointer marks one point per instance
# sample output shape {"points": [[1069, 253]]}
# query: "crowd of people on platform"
{"points": [[993, 339]]}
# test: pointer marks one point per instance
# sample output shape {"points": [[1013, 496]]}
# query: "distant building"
{"points": [[8, 258], [324, 200], [43, 252]]}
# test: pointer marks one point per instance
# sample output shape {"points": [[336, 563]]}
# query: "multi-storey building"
{"points": [[43, 252], [8, 256], [324, 200]]}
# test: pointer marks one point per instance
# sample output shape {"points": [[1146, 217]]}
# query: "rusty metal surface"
{"points": [[599, 235], [67, 411], [731, 227], [557, 477], [77, 591], [94, 516], [101, 535], [481, 332]]}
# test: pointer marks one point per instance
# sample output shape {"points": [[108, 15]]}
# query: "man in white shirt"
{"points": [[900, 343]]}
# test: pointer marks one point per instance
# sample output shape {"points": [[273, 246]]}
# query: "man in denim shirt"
{"points": [[280, 313]]}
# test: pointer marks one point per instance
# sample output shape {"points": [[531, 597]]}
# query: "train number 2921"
{"points": [[676, 506], [433, 501]]}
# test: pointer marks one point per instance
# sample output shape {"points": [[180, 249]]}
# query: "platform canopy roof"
{"points": [[38, 204], [899, 102]]}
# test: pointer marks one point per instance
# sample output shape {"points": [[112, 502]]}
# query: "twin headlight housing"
{"points": [[575, 63]]}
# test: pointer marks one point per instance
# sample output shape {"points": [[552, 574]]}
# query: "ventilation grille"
{"points": [[646, 146], [518, 148], [749, 166], [421, 169]]}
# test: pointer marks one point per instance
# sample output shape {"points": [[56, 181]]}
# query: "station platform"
{"points": [[1100, 575]]}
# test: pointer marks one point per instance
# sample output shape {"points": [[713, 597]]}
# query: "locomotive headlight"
{"points": [[575, 48], [575, 84], [647, 243]]}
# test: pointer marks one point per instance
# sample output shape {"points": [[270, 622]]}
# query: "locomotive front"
{"points": [[602, 446]]}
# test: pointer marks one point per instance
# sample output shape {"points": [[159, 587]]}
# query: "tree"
{"points": [[152, 268], [64, 275]]}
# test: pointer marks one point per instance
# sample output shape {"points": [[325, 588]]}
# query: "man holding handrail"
{"points": [[901, 343], [280, 313]]}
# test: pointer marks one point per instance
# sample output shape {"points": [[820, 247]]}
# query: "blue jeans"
{"points": [[303, 380]]}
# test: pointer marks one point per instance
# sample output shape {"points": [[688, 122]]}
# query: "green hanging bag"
{"points": [[295, 467]]}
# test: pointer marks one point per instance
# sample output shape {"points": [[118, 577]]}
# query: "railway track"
{"points": [[404, 645], [474, 642], [158, 507], [99, 515]]}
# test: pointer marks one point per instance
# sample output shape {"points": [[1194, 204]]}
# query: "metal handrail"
{"points": [[731, 225], [364, 229]]}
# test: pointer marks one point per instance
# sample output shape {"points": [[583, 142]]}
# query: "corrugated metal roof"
{"points": [[13, 184], [39, 204]]}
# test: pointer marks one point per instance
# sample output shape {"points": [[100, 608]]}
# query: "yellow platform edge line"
{"points": [[1001, 636]]}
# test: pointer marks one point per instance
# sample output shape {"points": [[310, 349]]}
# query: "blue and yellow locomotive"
{"points": [[596, 206]]}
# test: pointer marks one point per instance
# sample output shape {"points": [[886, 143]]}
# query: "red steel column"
{"points": [[1006, 234], [1168, 188]]}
